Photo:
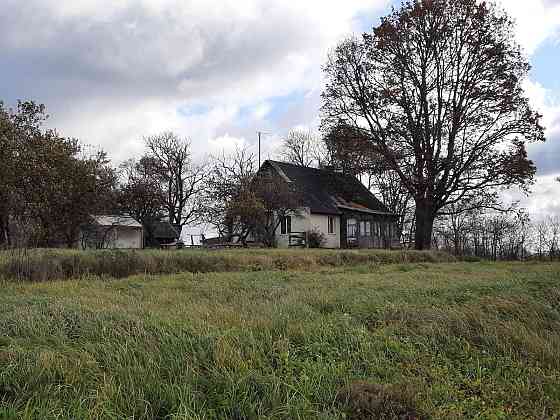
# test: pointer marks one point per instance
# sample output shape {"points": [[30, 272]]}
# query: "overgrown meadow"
{"points": [[362, 340]]}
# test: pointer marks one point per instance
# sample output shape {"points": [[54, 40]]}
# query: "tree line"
{"points": [[51, 185], [427, 109]]}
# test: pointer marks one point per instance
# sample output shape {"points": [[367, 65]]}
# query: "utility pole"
{"points": [[260, 133], [260, 149]]}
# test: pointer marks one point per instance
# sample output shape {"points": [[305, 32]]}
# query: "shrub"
{"points": [[315, 238]]}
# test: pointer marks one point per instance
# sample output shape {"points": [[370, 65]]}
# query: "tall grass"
{"points": [[43, 265], [410, 340]]}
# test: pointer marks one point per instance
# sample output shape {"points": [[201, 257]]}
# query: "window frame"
{"points": [[367, 228], [331, 228], [286, 225]]}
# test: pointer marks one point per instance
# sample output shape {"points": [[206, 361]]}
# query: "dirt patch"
{"points": [[362, 400]]}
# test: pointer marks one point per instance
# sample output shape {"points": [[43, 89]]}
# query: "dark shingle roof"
{"points": [[165, 230], [326, 191]]}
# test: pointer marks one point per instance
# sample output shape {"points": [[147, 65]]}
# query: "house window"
{"points": [[331, 225], [351, 228], [367, 228], [286, 225]]}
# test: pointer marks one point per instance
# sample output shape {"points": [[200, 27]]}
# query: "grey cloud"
{"points": [[547, 155], [138, 54], [102, 77]]}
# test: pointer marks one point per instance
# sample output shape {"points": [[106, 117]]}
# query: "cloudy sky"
{"points": [[218, 71]]}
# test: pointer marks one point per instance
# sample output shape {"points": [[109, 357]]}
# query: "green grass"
{"points": [[453, 340]]}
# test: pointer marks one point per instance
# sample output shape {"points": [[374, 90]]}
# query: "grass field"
{"points": [[412, 340], [52, 264]]}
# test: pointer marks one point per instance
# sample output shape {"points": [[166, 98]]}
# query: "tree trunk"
{"points": [[424, 216], [4, 234]]}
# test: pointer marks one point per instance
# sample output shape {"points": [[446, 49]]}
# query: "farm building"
{"points": [[165, 233], [335, 204], [112, 232]]}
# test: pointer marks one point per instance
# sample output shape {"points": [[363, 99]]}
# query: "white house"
{"points": [[112, 232], [335, 204]]}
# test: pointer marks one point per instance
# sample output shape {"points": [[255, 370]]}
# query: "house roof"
{"points": [[166, 230], [328, 192], [115, 220]]}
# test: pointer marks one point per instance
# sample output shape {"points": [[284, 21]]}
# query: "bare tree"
{"points": [[553, 239], [169, 159], [304, 148], [496, 235], [263, 206], [228, 179], [437, 87]]}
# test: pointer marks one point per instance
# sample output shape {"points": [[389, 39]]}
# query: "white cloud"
{"points": [[537, 20], [226, 144], [261, 111], [111, 72]]}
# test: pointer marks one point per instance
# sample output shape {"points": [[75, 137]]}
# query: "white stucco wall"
{"points": [[128, 238], [116, 238], [305, 221], [320, 222]]}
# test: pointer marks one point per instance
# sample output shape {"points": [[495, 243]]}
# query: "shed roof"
{"points": [[116, 220]]}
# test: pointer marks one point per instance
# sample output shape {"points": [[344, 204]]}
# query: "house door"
{"points": [[352, 232]]}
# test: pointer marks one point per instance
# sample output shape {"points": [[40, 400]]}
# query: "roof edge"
{"points": [[384, 213], [280, 171]]}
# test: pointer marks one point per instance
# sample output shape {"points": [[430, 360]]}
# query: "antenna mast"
{"points": [[260, 133]]}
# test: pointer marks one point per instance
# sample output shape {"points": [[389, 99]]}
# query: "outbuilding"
{"points": [[112, 232]]}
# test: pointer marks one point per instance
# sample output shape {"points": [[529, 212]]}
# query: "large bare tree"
{"points": [[228, 180], [170, 159], [304, 148], [437, 86]]}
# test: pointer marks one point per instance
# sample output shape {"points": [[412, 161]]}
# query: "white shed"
{"points": [[112, 232]]}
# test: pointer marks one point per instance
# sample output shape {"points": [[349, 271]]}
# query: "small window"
{"points": [[331, 225], [286, 225]]}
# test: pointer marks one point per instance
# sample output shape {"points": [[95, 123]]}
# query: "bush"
{"points": [[315, 239]]}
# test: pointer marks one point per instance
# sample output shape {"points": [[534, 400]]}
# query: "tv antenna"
{"points": [[260, 133]]}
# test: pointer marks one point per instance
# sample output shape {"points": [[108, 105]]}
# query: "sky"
{"points": [[217, 71]]}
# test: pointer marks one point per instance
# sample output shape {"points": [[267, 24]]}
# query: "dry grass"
{"points": [[44, 265]]}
